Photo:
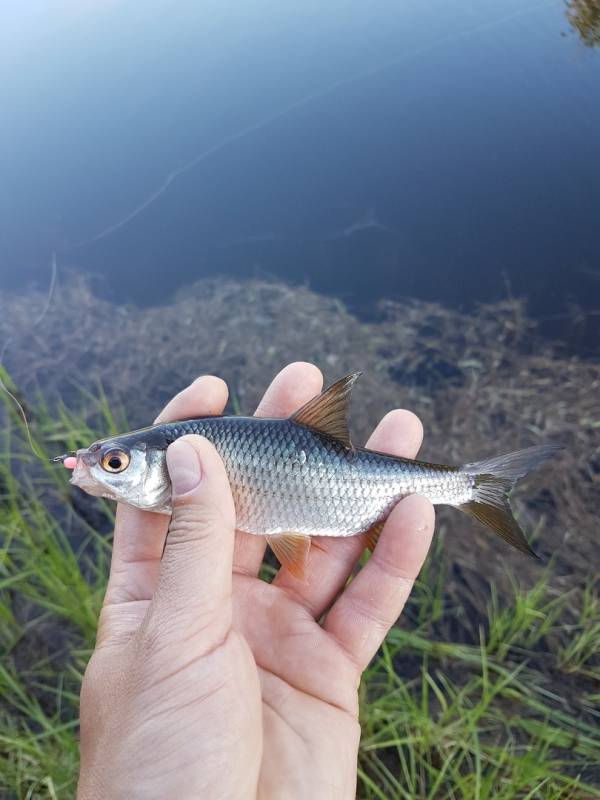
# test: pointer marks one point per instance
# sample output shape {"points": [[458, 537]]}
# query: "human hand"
{"points": [[207, 681]]}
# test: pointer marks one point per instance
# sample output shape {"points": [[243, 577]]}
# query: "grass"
{"points": [[507, 709]]}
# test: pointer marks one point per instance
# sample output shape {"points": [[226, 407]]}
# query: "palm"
{"points": [[308, 687], [310, 640]]}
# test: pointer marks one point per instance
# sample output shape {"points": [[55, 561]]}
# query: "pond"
{"points": [[446, 152]]}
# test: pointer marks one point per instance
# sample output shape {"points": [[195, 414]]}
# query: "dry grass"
{"points": [[481, 383]]}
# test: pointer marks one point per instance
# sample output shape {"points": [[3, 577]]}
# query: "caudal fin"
{"points": [[494, 480]]}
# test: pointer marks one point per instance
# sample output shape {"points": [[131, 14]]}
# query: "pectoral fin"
{"points": [[292, 551]]}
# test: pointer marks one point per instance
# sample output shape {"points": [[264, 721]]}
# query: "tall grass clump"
{"points": [[488, 700]]}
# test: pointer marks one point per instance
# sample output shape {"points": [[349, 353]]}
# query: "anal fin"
{"points": [[292, 551], [371, 535]]}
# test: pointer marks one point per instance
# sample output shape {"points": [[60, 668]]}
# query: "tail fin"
{"points": [[494, 480]]}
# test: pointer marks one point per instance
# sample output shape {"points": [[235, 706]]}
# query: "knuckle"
{"points": [[374, 615], [98, 682], [390, 569], [149, 638], [192, 522]]}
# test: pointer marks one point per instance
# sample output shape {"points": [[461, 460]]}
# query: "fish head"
{"points": [[133, 473]]}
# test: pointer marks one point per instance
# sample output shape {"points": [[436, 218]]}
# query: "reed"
{"points": [[464, 700]]}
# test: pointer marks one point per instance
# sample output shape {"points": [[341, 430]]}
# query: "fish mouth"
{"points": [[79, 462], [82, 477]]}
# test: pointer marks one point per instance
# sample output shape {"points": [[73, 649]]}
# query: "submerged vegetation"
{"points": [[488, 687]]}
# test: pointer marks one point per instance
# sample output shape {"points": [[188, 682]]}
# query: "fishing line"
{"points": [[296, 104], [36, 322]]}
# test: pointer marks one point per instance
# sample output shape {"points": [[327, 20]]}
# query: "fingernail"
{"points": [[184, 467]]}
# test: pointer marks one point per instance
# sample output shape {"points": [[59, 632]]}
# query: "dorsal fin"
{"points": [[327, 412]]}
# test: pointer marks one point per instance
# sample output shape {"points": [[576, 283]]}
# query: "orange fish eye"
{"points": [[115, 460]]}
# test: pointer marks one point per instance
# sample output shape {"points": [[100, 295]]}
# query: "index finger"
{"points": [[139, 536]]}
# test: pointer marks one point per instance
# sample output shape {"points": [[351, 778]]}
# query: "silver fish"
{"points": [[300, 477]]}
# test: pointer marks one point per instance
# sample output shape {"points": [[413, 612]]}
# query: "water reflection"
{"points": [[584, 17]]}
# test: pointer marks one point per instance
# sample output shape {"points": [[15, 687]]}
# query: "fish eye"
{"points": [[115, 460]]}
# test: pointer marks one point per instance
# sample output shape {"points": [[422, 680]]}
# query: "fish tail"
{"points": [[494, 480]]}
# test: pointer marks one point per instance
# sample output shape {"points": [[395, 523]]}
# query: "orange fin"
{"points": [[372, 535], [292, 551], [327, 412], [500, 519]]}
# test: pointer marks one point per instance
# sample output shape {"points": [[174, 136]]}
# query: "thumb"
{"points": [[194, 584]]}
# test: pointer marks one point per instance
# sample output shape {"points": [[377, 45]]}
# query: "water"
{"points": [[446, 152]]}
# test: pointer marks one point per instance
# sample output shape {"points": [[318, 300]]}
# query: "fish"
{"points": [[296, 478]]}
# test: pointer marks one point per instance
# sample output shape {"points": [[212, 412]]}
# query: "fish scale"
{"points": [[288, 478]]}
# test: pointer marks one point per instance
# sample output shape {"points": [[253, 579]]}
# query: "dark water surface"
{"points": [[446, 151]]}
